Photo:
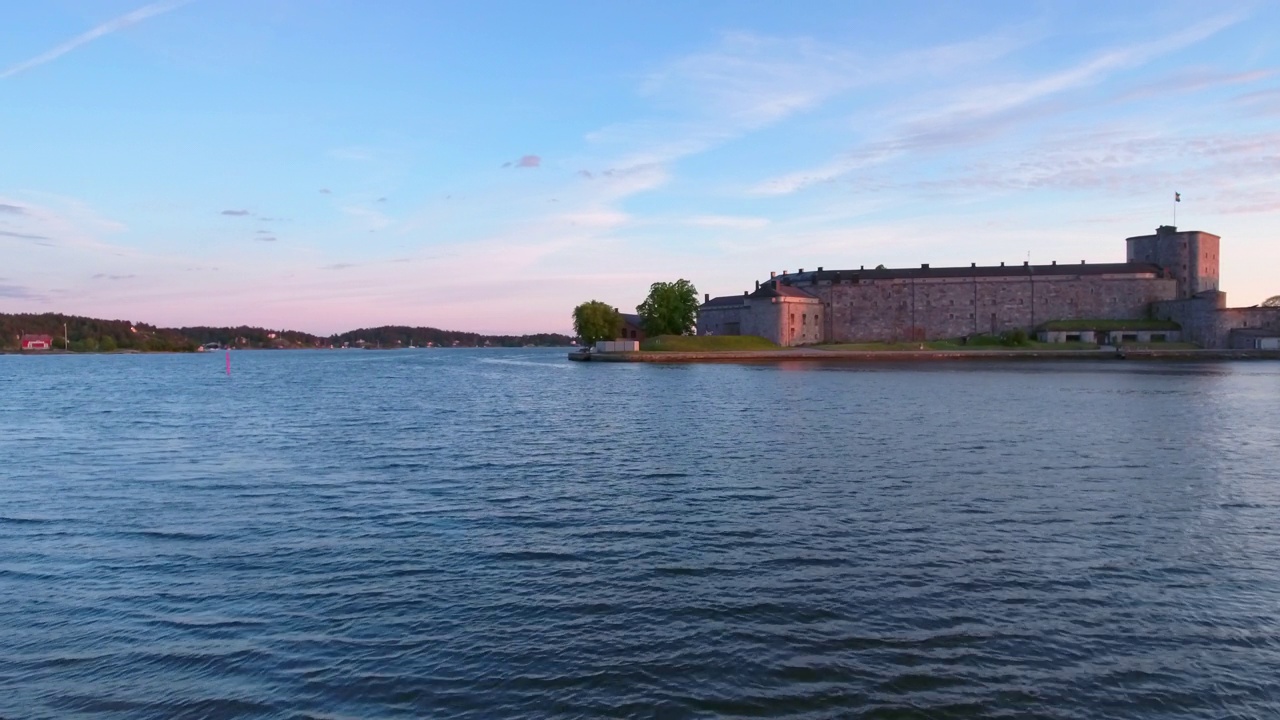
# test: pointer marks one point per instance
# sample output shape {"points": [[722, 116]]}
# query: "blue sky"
{"points": [[325, 165]]}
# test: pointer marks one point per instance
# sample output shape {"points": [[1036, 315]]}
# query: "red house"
{"points": [[37, 342]]}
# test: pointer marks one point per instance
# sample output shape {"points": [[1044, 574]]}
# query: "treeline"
{"points": [[92, 335], [252, 337], [402, 336]]}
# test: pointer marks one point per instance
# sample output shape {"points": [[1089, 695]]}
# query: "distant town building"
{"points": [[1169, 276], [37, 342]]}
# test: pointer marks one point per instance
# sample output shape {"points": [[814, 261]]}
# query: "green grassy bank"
{"points": [[705, 343]]}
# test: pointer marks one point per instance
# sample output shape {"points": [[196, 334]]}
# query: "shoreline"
{"points": [[807, 354]]}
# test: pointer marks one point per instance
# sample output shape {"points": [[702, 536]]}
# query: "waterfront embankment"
{"points": [[813, 354]]}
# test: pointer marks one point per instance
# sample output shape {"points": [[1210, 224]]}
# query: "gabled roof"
{"points": [[775, 290], [926, 272], [724, 300], [631, 319]]}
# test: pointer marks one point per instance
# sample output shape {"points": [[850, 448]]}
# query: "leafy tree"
{"points": [[108, 343], [594, 320], [1273, 301], [670, 309], [881, 267]]}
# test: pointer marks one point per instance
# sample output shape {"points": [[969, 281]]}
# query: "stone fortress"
{"points": [[1167, 290]]}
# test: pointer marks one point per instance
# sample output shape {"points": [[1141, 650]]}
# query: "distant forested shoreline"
{"points": [[87, 334]]}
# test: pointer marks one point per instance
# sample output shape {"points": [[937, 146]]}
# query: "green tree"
{"points": [[594, 320], [670, 309], [107, 344], [1273, 301]]}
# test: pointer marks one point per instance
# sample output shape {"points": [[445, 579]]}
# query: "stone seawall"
{"points": [[925, 355]]}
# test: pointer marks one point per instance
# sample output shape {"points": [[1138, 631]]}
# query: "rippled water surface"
{"points": [[502, 533]]}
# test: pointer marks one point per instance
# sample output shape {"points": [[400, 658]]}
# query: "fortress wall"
{"points": [[719, 319], [800, 321], [1190, 256], [759, 316], [764, 319], [936, 308]]}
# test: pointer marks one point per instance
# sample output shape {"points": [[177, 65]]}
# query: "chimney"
{"points": [[744, 292], [1082, 262], [973, 264], [757, 284], [801, 270], [819, 268], [707, 296], [924, 266], [772, 274], [862, 267], [1026, 263], [1001, 263], [1055, 262]]}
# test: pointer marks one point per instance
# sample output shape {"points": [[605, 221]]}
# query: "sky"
{"points": [[325, 165]]}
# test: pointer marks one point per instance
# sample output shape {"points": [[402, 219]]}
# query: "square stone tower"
{"points": [[1190, 256]]}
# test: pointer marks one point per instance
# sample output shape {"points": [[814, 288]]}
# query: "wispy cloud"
{"points": [[973, 113], [235, 212], [1266, 102], [12, 209], [105, 276], [106, 28], [526, 161], [338, 266], [268, 238], [22, 236], [19, 292]]}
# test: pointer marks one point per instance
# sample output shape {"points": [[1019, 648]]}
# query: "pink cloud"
{"points": [[529, 161]]}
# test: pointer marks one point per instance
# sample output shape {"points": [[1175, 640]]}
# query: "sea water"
{"points": [[503, 533]]}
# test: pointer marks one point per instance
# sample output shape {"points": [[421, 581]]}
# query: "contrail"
{"points": [[106, 28]]}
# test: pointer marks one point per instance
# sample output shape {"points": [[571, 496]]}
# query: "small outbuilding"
{"points": [[1110, 332], [1255, 339]]}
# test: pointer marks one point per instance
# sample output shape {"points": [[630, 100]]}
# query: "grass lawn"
{"points": [[705, 343], [956, 345]]}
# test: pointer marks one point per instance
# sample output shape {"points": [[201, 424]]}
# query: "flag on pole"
{"points": [[1177, 197]]}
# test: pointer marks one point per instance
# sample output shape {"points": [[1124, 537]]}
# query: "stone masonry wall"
{"points": [[785, 321], [1190, 256], [1207, 322], [937, 308], [717, 319]]}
